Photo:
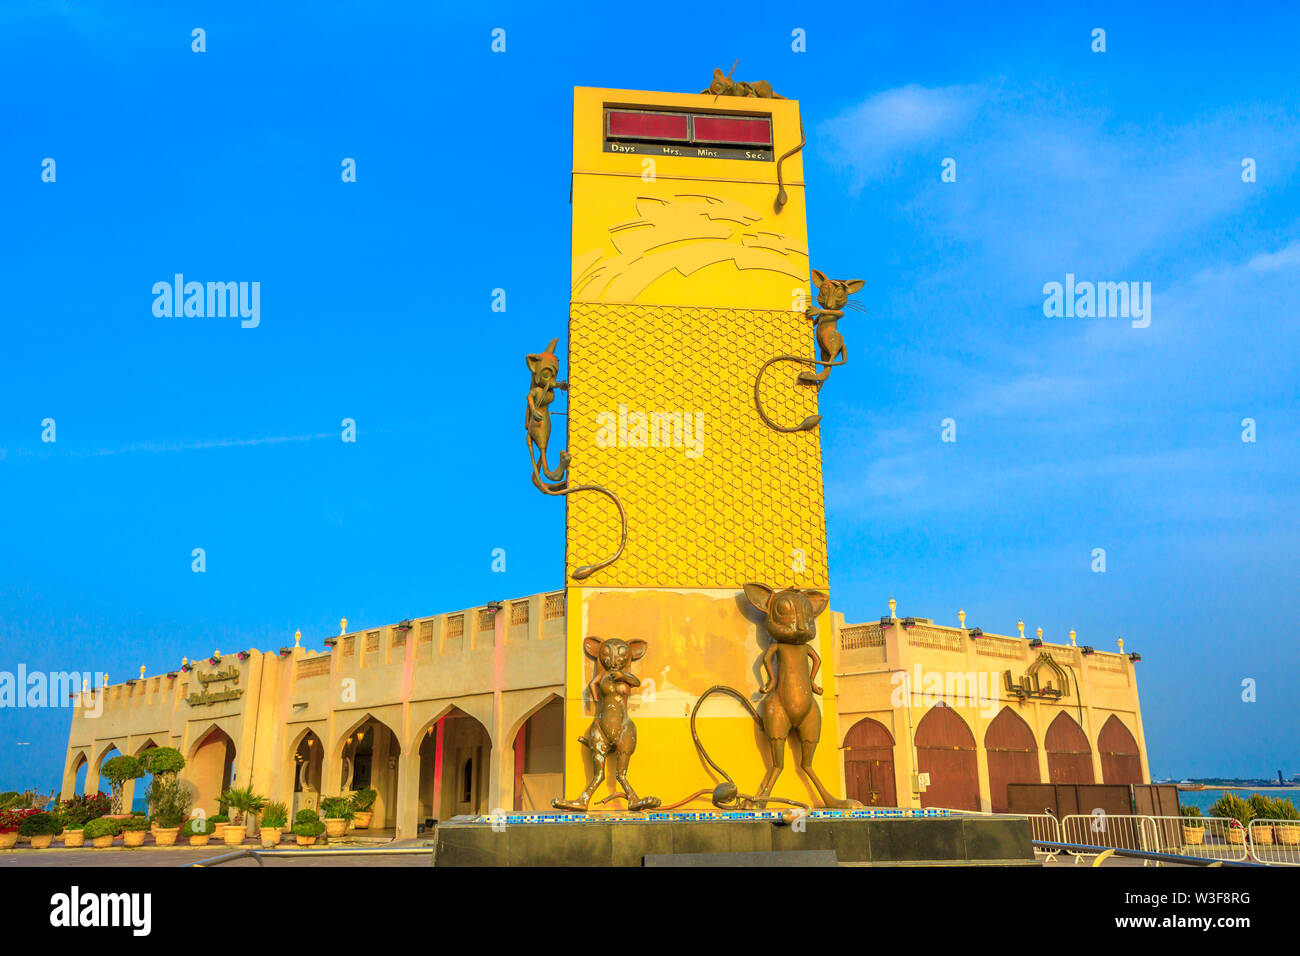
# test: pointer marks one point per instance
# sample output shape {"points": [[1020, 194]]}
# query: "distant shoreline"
{"points": [[1242, 786]]}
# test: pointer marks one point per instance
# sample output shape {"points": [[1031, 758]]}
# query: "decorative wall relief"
{"points": [[544, 369], [686, 233], [832, 300]]}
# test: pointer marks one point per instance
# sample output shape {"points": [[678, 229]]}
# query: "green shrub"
{"points": [[162, 761], [219, 818], [308, 828], [84, 808], [275, 816], [307, 814], [364, 799], [1192, 817], [39, 824], [171, 799], [338, 808], [1261, 807], [103, 826], [198, 826], [135, 823], [73, 825], [1232, 806], [118, 771], [1284, 809]]}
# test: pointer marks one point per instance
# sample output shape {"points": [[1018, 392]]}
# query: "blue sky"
{"points": [[1072, 434]]}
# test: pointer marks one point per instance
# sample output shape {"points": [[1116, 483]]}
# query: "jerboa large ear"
{"points": [[853, 285], [759, 595], [818, 600], [638, 649], [592, 646], [818, 279]]}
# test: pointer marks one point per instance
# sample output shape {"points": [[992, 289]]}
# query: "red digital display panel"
{"points": [[741, 130], [627, 124]]}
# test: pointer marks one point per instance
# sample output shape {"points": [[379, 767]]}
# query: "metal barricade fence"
{"points": [[1275, 842], [1216, 838], [1121, 831], [1044, 827]]}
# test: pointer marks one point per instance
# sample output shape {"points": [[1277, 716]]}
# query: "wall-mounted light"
{"points": [[909, 623], [1135, 657], [1086, 650], [976, 633]]}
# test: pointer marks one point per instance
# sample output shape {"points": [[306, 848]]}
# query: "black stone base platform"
{"points": [[892, 842]]}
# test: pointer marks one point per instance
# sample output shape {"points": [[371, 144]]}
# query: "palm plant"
{"points": [[241, 801]]}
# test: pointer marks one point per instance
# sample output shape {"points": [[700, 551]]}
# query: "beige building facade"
{"points": [[463, 713]]}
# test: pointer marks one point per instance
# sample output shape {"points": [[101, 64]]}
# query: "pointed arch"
{"points": [[1121, 761], [869, 764], [945, 749], [1012, 756], [1069, 757], [538, 742]]}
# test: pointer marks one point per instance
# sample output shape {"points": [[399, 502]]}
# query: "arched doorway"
{"points": [[104, 785], [539, 758], [869, 764], [210, 768], [1120, 761], [455, 753], [1012, 754], [308, 767], [140, 788], [945, 749], [1069, 758], [370, 755], [80, 767]]}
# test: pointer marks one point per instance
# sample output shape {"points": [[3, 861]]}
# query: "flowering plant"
{"points": [[11, 820]]}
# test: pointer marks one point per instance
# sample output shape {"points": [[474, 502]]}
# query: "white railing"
{"points": [[1218, 838], [1120, 831], [1276, 842]]}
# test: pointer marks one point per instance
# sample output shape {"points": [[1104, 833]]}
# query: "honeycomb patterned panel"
{"points": [[740, 510]]}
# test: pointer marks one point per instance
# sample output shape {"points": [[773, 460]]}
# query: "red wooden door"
{"points": [[869, 764], [1069, 758], [1013, 756], [945, 749], [1120, 762]]}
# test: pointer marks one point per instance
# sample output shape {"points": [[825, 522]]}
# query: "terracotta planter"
{"points": [[335, 826], [166, 836], [8, 840], [200, 839], [218, 830], [306, 841], [74, 838], [1288, 834], [134, 838], [42, 842], [103, 843], [271, 836], [362, 820], [1261, 836], [1193, 836], [1237, 835], [234, 834]]}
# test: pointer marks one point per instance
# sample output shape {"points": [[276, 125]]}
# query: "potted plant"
{"points": [[241, 801], [134, 830], [339, 812], [81, 810], [363, 802], [1287, 833], [118, 771], [1239, 815], [40, 828], [1193, 826], [171, 799], [10, 821], [74, 835], [271, 825], [1261, 808], [307, 827], [101, 831], [217, 823], [198, 830]]}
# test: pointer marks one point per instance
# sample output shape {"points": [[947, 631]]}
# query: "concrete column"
{"points": [[978, 727], [408, 795], [501, 784]]}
